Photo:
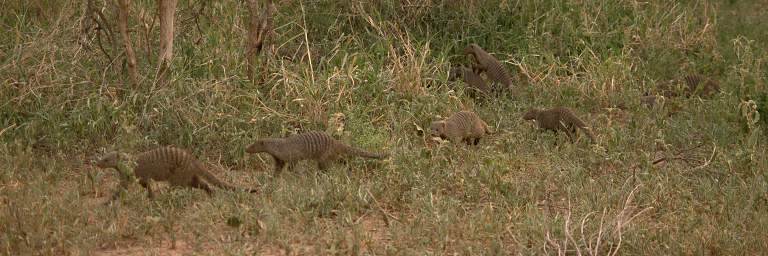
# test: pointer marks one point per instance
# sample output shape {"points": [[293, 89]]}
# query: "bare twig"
{"points": [[306, 42], [677, 156], [92, 16], [707, 161], [198, 13], [567, 230]]}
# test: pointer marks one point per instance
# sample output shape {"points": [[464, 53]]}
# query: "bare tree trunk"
{"points": [[166, 9], [122, 24], [259, 28]]}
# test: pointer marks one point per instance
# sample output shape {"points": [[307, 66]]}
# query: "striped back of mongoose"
{"points": [[461, 126], [488, 64], [475, 82], [558, 119], [314, 145], [173, 165], [696, 84], [691, 84]]}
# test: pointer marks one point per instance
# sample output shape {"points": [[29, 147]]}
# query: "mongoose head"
{"points": [[648, 100], [711, 87], [110, 160], [471, 48], [531, 114], [455, 73], [437, 129], [256, 147]]}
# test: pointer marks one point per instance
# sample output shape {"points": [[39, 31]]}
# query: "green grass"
{"points": [[385, 67]]}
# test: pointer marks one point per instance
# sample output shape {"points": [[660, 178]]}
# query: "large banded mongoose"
{"points": [[484, 62], [170, 164], [463, 126], [313, 145], [558, 119], [476, 83]]}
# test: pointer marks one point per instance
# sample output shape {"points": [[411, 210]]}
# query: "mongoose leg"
{"points": [[322, 165], [122, 187], [197, 183], [477, 69], [279, 165], [115, 196], [477, 141], [146, 184], [571, 134]]}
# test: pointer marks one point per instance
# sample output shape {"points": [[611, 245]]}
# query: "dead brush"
{"points": [[605, 240]]}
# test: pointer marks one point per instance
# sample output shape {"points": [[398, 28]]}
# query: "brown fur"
{"points": [[689, 85], [649, 100], [476, 83], [484, 62], [698, 85], [461, 126], [558, 119], [170, 164], [317, 146]]}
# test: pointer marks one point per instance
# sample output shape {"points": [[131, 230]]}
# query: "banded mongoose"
{"points": [[701, 86], [689, 85], [313, 145], [558, 119], [484, 62], [475, 82], [463, 126], [170, 164], [649, 100]]}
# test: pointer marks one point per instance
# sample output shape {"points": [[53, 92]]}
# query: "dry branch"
{"points": [[122, 24], [259, 28], [166, 10]]}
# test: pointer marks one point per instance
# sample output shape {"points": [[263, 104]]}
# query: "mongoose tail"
{"points": [[350, 150], [581, 125], [589, 133], [207, 176], [486, 127]]}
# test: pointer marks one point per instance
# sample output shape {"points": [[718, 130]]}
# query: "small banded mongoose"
{"points": [[170, 164], [463, 126], [484, 62], [698, 85], [313, 145], [558, 119], [475, 82], [689, 85], [649, 100]]}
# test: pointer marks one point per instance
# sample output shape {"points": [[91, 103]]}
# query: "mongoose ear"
{"points": [[469, 48]]}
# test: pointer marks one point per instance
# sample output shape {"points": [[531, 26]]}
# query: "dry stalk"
{"points": [[306, 42]]}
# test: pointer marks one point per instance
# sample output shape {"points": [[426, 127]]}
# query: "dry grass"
{"points": [[684, 177]]}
